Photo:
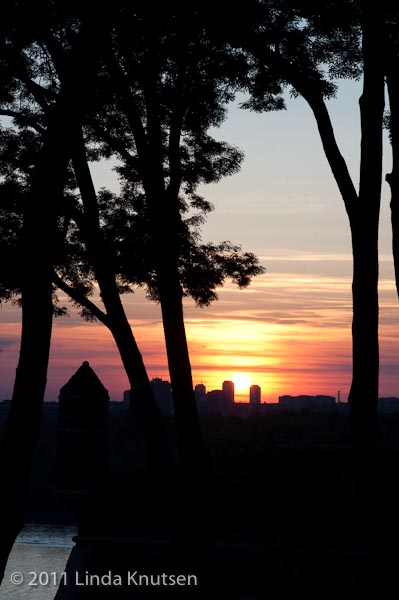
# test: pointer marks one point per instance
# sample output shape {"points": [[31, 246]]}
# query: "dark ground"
{"points": [[281, 498]]}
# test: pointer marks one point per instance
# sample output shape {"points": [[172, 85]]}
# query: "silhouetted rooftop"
{"points": [[83, 381]]}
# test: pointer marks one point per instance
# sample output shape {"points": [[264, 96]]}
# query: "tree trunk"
{"points": [[38, 245], [38, 240], [165, 218], [191, 492], [142, 400], [393, 177], [165, 221], [363, 396], [194, 527], [164, 214], [389, 510], [190, 442], [363, 211]]}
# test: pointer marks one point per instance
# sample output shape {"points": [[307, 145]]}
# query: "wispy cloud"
{"points": [[291, 331]]}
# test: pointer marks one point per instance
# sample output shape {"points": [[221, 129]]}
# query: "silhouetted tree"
{"points": [[190, 102], [392, 121], [294, 44], [200, 267], [20, 145], [109, 243], [18, 150], [306, 46], [168, 87], [36, 249], [120, 256], [391, 66]]}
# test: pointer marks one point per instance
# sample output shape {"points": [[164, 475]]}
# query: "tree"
{"points": [[200, 267], [293, 46], [305, 46], [392, 123], [102, 238], [167, 87], [36, 250], [117, 253], [192, 157]]}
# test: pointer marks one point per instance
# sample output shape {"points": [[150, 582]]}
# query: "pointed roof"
{"points": [[84, 381]]}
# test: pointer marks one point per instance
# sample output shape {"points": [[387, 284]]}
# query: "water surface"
{"points": [[38, 558]]}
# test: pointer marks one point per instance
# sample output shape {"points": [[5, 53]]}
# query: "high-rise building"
{"points": [[200, 390], [254, 394], [163, 395], [228, 389], [200, 396], [217, 401]]}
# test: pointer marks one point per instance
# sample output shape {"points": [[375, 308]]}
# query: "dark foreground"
{"points": [[284, 517]]}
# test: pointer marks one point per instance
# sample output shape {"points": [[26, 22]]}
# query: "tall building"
{"points": [[199, 391], [228, 389], [163, 395], [200, 396], [254, 394], [218, 401], [388, 405]]}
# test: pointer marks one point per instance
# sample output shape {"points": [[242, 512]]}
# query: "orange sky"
{"points": [[290, 333]]}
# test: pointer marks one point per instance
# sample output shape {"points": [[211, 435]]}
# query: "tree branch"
{"points": [[130, 108], [80, 298], [333, 154], [38, 93], [175, 128], [308, 89], [26, 119], [114, 143]]}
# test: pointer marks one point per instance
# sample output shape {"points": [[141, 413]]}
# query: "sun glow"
{"points": [[242, 382]]}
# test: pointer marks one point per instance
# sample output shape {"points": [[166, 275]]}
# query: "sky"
{"points": [[290, 331]]}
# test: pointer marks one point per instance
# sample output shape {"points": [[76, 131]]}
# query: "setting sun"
{"points": [[242, 381]]}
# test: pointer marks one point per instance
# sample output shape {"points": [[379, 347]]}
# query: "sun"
{"points": [[242, 381]]}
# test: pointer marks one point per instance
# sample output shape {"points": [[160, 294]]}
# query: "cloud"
{"points": [[6, 342], [290, 330]]}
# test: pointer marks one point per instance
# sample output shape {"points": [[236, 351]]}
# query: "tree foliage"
{"points": [[188, 86]]}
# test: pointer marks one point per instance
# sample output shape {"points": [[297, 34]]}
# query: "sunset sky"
{"points": [[290, 330]]}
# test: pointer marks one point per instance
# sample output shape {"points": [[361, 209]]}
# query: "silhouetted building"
{"points": [[163, 395], [126, 398], [254, 394], [313, 403], [388, 405], [81, 443], [4, 408], [228, 389], [200, 396], [217, 401], [200, 390]]}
